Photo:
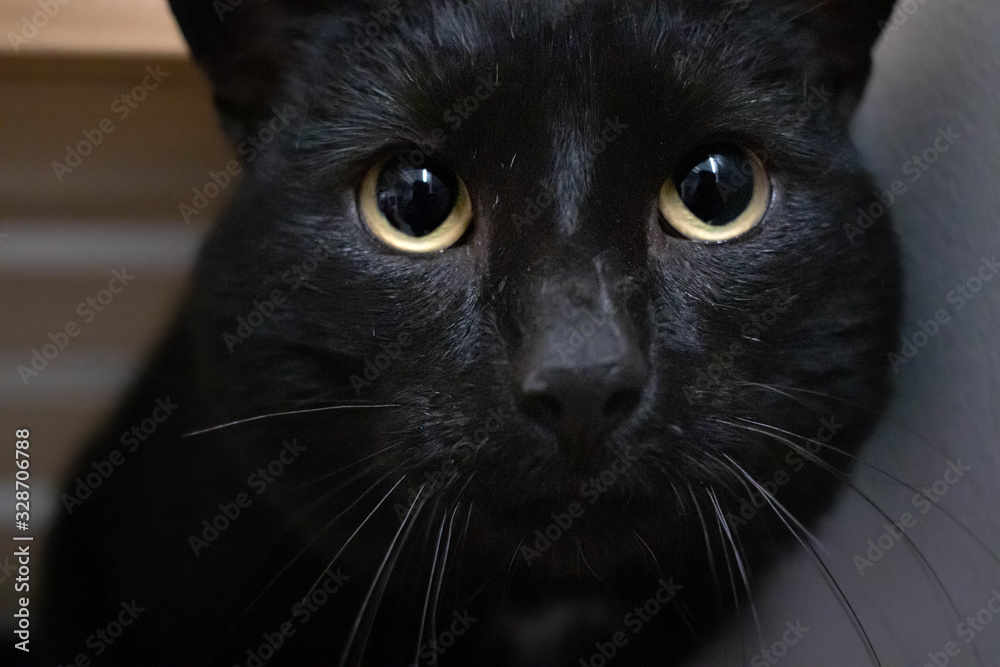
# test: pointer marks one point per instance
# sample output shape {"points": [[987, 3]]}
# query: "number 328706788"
{"points": [[22, 493]]}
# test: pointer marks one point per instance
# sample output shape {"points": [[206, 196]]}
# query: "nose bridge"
{"points": [[579, 322], [581, 367]]}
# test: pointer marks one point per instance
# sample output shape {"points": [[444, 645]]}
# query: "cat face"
{"points": [[588, 254]]}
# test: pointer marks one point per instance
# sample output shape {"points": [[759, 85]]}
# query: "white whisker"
{"points": [[288, 413]]}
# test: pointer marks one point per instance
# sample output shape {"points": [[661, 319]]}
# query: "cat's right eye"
{"points": [[415, 209], [718, 193]]}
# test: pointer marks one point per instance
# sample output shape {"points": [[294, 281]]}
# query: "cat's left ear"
{"points": [[845, 32], [247, 46]]}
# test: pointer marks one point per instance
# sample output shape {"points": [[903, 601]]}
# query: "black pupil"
{"points": [[719, 187], [416, 200]]}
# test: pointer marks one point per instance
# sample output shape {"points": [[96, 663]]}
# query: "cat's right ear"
{"points": [[844, 33], [246, 46]]}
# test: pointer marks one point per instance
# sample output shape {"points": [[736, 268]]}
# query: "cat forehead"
{"points": [[576, 39], [546, 61]]}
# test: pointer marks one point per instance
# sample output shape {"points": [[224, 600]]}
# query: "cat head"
{"points": [[587, 252]]}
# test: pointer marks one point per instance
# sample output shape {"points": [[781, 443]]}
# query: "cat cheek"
{"points": [[589, 494], [794, 461], [750, 331], [454, 122]]}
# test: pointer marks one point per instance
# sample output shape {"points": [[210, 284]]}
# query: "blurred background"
{"points": [[63, 72], [65, 66]]}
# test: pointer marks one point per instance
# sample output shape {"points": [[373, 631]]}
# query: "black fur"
{"points": [[669, 76]]}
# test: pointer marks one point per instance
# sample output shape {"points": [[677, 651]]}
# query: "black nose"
{"points": [[581, 382]]}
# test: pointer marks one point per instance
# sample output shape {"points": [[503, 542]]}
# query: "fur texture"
{"points": [[754, 346]]}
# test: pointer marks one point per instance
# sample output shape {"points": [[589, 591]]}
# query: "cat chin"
{"points": [[555, 535]]}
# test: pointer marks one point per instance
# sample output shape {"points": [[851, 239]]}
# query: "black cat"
{"points": [[529, 338]]}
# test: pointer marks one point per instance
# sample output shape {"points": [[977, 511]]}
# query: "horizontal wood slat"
{"points": [[89, 27]]}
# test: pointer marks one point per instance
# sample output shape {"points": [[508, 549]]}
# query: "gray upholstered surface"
{"points": [[939, 69]]}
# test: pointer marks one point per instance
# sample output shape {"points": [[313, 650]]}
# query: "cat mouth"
{"points": [[574, 538], [553, 482], [596, 509]]}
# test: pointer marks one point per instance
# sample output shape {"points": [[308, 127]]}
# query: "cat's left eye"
{"points": [[416, 209], [717, 194]]}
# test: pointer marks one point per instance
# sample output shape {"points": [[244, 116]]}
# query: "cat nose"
{"points": [[581, 384]]}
